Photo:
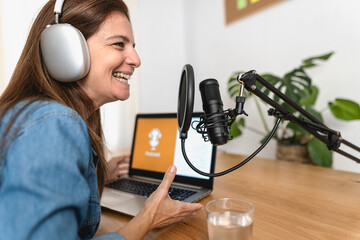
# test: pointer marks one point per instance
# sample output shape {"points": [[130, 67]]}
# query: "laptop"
{"points": [[156, 146]]}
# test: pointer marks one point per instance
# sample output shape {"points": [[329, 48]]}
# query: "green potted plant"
{"points": [[297, 85]]}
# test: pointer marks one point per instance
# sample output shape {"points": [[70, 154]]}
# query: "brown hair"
{"points": [[30, 80]]}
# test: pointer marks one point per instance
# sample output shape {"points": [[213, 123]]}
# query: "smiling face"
{"points": [[113, 60]]}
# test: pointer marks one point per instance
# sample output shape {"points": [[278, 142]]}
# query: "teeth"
{"points": [[121, 76]]}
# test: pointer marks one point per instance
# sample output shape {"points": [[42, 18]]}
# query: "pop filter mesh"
{"points": [[185, 100]]}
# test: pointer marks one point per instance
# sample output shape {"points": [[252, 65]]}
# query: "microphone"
{"points": [[215, 121], [215, 124]]}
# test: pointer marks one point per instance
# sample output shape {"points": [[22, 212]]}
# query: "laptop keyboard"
{"points": [[146, 189]]}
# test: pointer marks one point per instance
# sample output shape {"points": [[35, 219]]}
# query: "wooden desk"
{"points": [[292, 201]]}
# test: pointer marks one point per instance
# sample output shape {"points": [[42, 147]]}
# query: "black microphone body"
{"points": [[215, 119]]}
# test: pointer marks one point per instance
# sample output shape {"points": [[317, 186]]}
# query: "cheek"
{"points": [[99, 59], [105, 66], [94, 75], [100, 69]]}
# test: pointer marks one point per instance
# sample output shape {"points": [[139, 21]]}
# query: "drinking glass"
{"points": [[229, 218]]}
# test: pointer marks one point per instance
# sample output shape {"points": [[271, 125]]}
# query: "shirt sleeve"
{"points": [[44, 194], [110, 236]]}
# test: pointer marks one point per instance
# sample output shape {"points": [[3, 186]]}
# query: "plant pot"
{"points": [[293, 153]]}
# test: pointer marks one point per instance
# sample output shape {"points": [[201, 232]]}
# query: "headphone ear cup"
{"points": [[65, 52]]}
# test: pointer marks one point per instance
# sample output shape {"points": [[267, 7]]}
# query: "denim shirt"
{"points": [[48, 184]]}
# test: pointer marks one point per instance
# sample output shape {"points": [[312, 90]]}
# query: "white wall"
{"points": [[170, 33], [17, 17], [2, 67], [161, 44]]}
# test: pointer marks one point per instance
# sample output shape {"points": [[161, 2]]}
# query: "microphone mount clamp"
{"points": [[239, 104]]}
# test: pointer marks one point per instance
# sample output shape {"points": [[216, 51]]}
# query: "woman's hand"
{"points": [[118, 168], [159, 210], [162, 209]]}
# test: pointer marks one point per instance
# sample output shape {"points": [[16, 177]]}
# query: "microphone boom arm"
{"points": [[330, 137]]}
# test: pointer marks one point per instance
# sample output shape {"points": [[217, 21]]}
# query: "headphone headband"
{"points": [[58, 6]]}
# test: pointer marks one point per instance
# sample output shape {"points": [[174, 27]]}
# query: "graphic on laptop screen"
{"points": [[157, 146]]}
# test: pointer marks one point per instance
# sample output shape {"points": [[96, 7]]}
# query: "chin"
{"points": [[123, 97]]}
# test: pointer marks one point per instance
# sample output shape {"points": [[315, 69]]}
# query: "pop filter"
{"points": [[185, 100]]}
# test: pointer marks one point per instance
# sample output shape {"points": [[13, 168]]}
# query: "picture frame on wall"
{"points": [[238, 9]]}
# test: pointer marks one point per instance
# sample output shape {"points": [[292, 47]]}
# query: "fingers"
{"points": [[168, 178], [189, 208], [176, 211], [126, 158], [123, 166], [118, 167], [121, 159]]}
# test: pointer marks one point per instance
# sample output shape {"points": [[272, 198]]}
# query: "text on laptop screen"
{"points": [[157, 146]]}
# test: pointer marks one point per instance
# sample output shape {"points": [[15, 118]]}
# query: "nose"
{"points": [[133, 58]]}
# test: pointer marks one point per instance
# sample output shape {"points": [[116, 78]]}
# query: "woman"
{"points": [[52, 165]]}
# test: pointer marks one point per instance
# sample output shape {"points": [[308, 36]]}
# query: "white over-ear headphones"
{"points": [[64, 50]]}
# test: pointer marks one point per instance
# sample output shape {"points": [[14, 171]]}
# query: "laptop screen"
{"points": [[156, 146]]}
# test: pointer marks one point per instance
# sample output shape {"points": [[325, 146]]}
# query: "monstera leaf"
{"points": [[319, 153], [292, 84], [309, 97], [296, 84], [311, 62], [236, 127], [345, 109]]}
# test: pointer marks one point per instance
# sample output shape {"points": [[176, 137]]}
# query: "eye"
{"points": [[119, 44]]}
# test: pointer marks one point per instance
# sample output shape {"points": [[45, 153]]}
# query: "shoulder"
{"points": [[45, 125], [47, 130], [39, 110], [29, 115]]}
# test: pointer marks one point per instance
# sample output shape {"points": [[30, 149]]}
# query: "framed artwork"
{"points": [[237, 9]]}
